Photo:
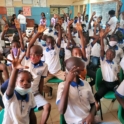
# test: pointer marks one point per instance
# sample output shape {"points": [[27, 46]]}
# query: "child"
{"points": [[120, 94], [109, 70], [18, 99], [113, 45], [43, 21], [39, 71], [74, 88]]}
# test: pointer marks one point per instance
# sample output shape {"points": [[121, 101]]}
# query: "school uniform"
{"points": [[110, 79], [112, 23], [20, 56], [54, 21], [76, 110], [51, 58], [119, 53], [38, 71], [120, 90], [121, 21], [17, 109]]}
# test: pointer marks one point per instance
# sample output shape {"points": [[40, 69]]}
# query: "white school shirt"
{"points": [[95, 50], [77, 39], [119, 54], [54, 21], [120, 90], [86, 23], [122, 63], [112, 23], [121, 22], [109, 70], [67, 51], [22, 19], [51, 57], [37, 71], [64, 25], [10, 58], [79, 99], [17, 110]]}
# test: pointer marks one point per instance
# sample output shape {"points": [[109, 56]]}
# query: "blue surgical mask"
{"points": [[22, 91], [75, 21], [15, 51], [43, 42]]}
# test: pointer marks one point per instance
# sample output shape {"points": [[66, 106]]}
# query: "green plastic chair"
{"points": [[1, 116], [55, 80], [121, 75], [98, 81], [62, 119], [121, 114]]}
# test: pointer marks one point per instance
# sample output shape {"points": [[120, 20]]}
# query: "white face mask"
{"points": [[112, 43], [22, 91]]}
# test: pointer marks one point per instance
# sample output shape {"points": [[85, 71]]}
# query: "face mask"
{"points": [[112, 43], [49, 46], [83, 74], [22, 91], [75, 21], [15, 51], [43, 42]]}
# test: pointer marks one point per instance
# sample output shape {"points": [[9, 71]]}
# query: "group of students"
{"points": [[83, 46]]}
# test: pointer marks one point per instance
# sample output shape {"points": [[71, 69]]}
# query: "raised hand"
{"points": [[95, 23], [78, 27], [16, 62], [94, 13], [6, 27], [107, 30], [17, 24], [79, 14], [120, 3], [59, 21], [41, 28], [4, 18], [70, 22]]}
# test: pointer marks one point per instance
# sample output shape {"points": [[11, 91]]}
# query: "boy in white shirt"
{"points": [[18, 100], [109, 71]]}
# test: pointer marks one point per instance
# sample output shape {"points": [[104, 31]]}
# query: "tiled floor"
{"points": [[109, 110]]}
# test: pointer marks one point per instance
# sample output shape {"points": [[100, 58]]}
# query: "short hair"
{"points": [[50, 37], [112, 50], [73, 61], [111, 12], [25, 71], [20, 11], [114, 37], [38, 48]]}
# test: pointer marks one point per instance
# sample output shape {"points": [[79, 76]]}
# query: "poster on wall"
{"points": [[27, 1], [8, 2], [10, 11], [27, 11], [43, 3], [36, 3], [63, 9]]}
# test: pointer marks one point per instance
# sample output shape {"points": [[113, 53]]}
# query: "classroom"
{"points": [[61, 61]]}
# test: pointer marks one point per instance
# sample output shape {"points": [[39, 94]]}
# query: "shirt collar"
{"points": [[20, 97], [50, 30], [115, 47], [109, 62], [48, 49], [40, 63], [55, 33], [74, 84]]}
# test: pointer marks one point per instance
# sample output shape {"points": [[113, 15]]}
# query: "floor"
{"points": [[109, 110]]}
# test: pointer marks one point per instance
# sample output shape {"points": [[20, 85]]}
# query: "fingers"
{"points": [[7, 59], [12, 55], [18, 54], [22, 57]]}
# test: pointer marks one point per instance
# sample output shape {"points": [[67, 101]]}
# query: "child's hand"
{"points": [[71, 74], [94, 13], [17, 24], [24, 35], [4, 18], [85, 8], [89, 119], [120, 3], [6, 27], [95, 23], [70, 22], [79, 14], [16, 62], [60, 22], [41, 28], [78, 27], [70, 12]]}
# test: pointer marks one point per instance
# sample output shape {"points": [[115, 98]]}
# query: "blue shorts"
{"points": [[23, 27]]}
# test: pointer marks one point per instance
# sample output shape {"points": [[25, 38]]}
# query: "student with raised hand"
{"points": [[18, 100], [109, 70], [51, 57]]}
